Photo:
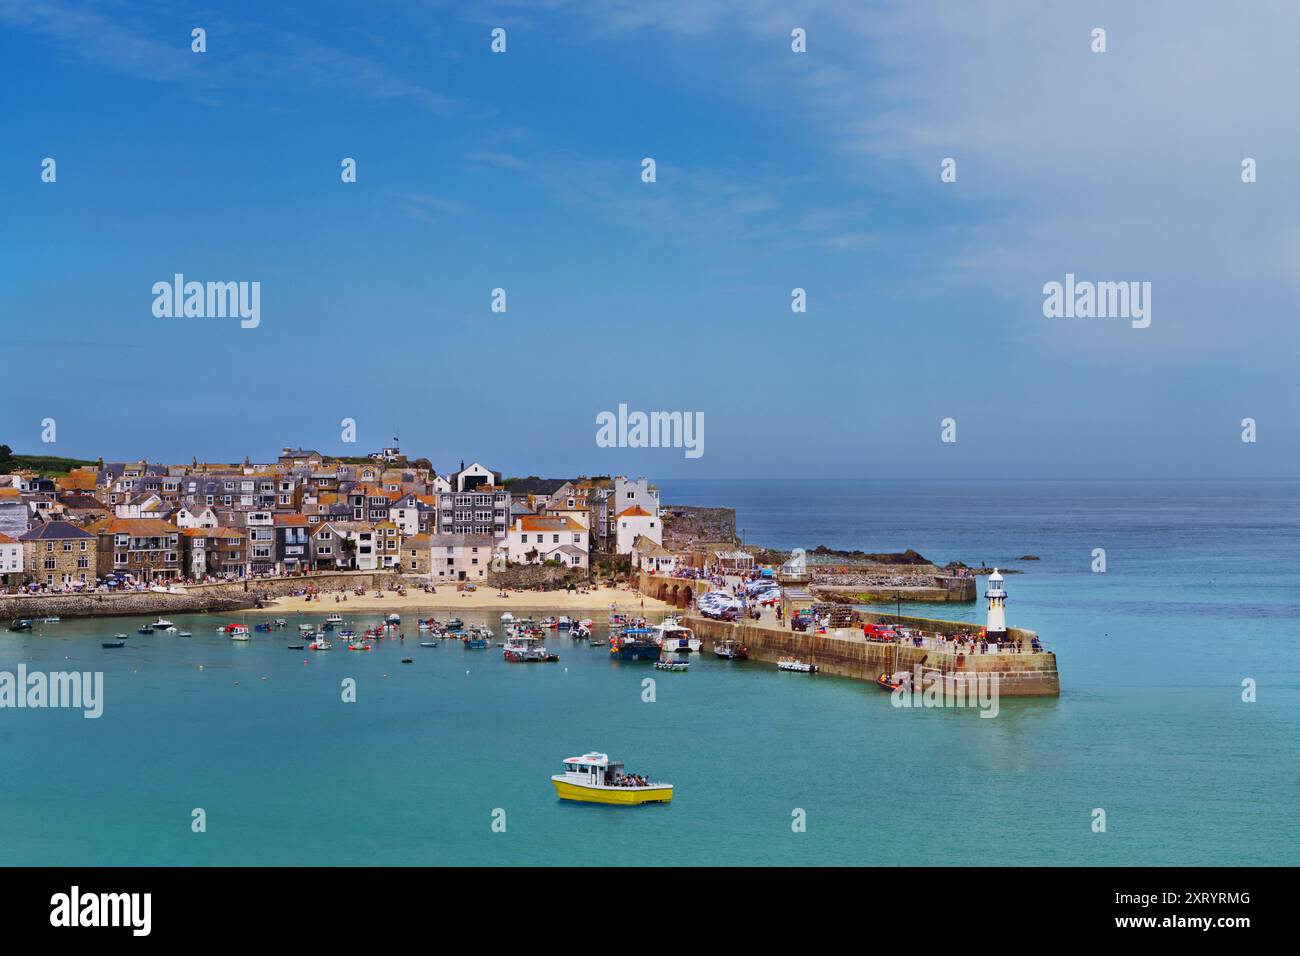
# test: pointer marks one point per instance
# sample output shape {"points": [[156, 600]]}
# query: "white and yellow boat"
{"points": [[591, 778]]}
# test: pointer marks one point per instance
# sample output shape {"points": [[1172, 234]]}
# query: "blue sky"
{"points": [[775, 170]]}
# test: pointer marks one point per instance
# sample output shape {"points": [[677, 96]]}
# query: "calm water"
{"points": [[1199, 593]]}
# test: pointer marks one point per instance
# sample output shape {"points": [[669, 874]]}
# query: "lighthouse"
{"points": [[997, 598]]}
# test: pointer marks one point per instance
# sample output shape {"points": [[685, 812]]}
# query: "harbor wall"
{"points": [[679, 592], [198, 598], [1019, 675]]}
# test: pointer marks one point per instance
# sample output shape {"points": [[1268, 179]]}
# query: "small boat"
{"points": [[564, 623], [592, 778], [184, 634], [731, 649], [477, 638], [162, 624], [21, 625], [794, 664], [507, 616], [306, 628], [408, 660], [347, 633], [295, 647], [281, 622], [428, 643], [320, 644], [455, 624], [672, 664], [262, 627], [595, 643], [119, 637], [525, 649], [52, 620], [144, 629], [580, 632], [114, 643], [894, 681], [334, 619], [237, 632], [394, 619], [359, 646]]}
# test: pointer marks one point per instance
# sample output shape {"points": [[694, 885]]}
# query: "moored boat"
{"points": [[114, 643], [672, 664], [144, 629], [730, 649], [334, 619], [634, 644], [52, 620], [162, 624], [593, 778], [524, 649], [320, 644], [237, 632], [794, 664], [677, 638], [23, 624]]}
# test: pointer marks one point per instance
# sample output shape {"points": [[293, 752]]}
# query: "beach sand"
{"points": [[482, 599]]}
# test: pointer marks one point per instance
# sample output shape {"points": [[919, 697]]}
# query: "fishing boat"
{"points": [[294, 647], [592, 778], [334, 619], [281, 622], [114, 643], [237, 632], [359, 646], [477, 638], [730, 649], [523, 649], [144, 629], [262, 627], [408, 660], [162, 624], [581, 633], [794, 664], [320, 644], [21, 625], [677, 638], [52, 620], [564, 623], [306, 628], [184, 634], [672, 664], [634, 644], [428, 643], [454, 625], [507, 616], [617, 619], [393, 619]]}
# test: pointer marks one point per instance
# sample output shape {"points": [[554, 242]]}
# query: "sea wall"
{"points": [[1019, 675], [198, 598], [680, 592]]}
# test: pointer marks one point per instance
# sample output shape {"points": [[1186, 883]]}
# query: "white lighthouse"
{"points": [[997, 598]]}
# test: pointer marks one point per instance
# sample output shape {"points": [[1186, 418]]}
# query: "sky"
{"points": [[775, 170]]}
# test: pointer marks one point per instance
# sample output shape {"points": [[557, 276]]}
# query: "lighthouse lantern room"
{"points": [[996, 595]]}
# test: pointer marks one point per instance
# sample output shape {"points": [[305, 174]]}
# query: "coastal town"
{"points": [[141, 524], [385, 531]]}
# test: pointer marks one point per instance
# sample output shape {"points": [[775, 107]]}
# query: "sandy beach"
{"points": [[482, 599]]}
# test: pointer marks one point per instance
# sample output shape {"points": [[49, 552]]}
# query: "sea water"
{"points": [[447, 760]]}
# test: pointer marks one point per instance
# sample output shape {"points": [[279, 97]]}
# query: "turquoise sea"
{"points": [[1200, 592]]}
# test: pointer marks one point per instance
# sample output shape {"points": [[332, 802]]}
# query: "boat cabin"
{"points": [[592, 770]]}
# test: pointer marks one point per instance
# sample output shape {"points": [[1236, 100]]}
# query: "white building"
{"points": [[635, 522], [649, 555], [11, 560], [198, 516], [533, 539], [460, 557]]}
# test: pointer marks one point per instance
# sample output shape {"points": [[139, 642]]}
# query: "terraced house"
{"points": [[145, 548], [215, 552], [58, 554]]}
